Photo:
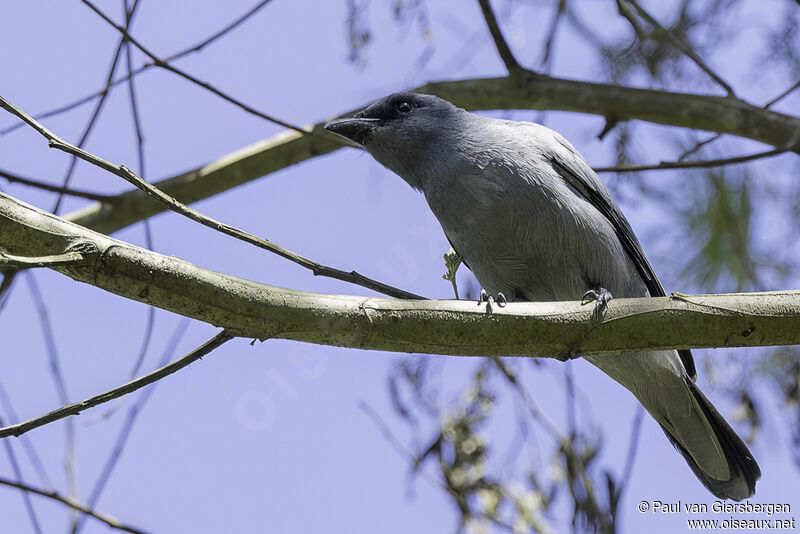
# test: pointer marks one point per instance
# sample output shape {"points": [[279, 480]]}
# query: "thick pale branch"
{"points": [[555, 329], [701, 112]]}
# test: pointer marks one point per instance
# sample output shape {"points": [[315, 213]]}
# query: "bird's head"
{"points": [[403, 131]]}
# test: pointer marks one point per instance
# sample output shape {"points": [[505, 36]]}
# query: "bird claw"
{"points": [[600, 296], [491, 301]]}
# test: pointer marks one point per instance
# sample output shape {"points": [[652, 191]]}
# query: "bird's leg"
{"points": [[600, 296], [491, 301]]}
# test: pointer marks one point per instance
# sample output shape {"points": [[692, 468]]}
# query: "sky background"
{"points": [[270, 437]]}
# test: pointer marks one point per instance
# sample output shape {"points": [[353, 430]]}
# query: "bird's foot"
{"points": [[491, 301], [600, 296]]}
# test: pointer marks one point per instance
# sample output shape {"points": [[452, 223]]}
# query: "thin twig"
{"points": [[569, 391], [783, 95], [511, 63], [27, 444], [173, 205], [533, 407], [695, 164], [6, 285], [547, 55], [76, 408], [12, 459], [698, 146], [32, 262], [127, 426], [679, 44], [58, 379], [74, 504], [17, 179], [141, 169], [715, 137], [96, 113], [185, 52], [205, 85], [208, 40], [401, 449], [633, 446]]}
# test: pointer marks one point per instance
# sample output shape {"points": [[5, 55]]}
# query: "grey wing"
{"points": [[578, 174]]}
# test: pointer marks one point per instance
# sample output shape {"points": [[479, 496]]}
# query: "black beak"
{"points": [[355, 129]]}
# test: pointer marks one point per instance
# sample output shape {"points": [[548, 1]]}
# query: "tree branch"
{"points": [[721, 162], [97, 109], [26, 498], [173, 205], [676, 42], [126, 430], [511, 63], [30, 262], [288, 148], [546, 329], [17, 179], [205, 85], [133, 73], [76, 408], [72, 503]]}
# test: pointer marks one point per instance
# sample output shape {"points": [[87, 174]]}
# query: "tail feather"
{"points": [[744, 471], [718, 457]]}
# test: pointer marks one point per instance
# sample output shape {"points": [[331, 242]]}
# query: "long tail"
{"points": [[742, 467], [718, 457]]}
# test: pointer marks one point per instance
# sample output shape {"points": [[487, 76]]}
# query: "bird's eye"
{"points": [[403, 107]]}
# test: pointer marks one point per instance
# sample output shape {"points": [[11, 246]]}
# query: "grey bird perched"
{"points": [[534, 222]]}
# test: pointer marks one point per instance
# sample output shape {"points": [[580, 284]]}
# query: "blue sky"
{"points": [[270, 437]]}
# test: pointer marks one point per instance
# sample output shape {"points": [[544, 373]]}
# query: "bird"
{"points": [[533, 222]]}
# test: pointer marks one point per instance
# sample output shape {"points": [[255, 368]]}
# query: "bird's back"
{"points": [[522, 229]]}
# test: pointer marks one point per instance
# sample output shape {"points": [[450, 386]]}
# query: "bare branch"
{"points": [[547, 54], [31, 262], [511, 63], [6, 285], [17, 179], [12, 459], [133, 73], [678, 43], [783, 95], [173, 205], [127, 427], [216, 35], [633, 447], [76, 408], [697, 146], [703, 112], [205, 85], [142, 170], [713, 138], [544, 329], [696, 164], [97, 109], [27, 445], [58, 379], [72, 503]]}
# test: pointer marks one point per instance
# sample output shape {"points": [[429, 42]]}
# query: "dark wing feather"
{"points": [[592, 189]]}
